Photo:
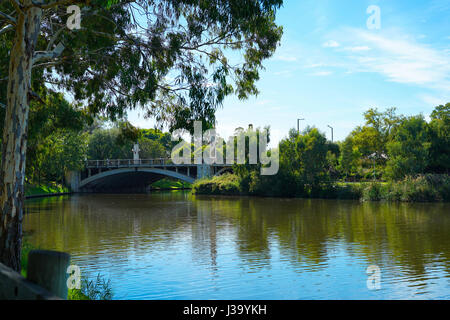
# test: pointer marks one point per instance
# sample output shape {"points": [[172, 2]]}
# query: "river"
{"points": [[174, 245]]}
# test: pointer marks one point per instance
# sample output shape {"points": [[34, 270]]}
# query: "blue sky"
{"points": [[331, 67]]}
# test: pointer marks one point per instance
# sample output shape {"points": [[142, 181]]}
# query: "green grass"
{"points": [[32, 190], [171, 184]]}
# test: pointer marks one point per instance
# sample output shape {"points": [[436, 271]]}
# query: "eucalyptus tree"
{"points": [[176, 59]]}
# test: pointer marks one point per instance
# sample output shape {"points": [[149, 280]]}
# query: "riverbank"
{"points": [[38, 191], [168, 184], [423, 188]]}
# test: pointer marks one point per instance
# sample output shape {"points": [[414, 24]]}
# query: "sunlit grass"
{"points": [[32, 190], [171, 184]]}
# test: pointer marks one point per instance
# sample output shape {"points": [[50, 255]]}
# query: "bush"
{"points": [[100, 289], [227, 184], [422, 188]]}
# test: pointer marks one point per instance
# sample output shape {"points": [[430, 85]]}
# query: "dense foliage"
{"points": [[407, 157]]}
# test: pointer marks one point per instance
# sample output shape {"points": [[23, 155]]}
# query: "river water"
{"points": [[173, 245]]}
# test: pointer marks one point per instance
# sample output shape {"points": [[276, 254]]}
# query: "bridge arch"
{"points": [[224, 170], [129, 178]]}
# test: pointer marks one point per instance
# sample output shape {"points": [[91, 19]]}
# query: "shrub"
{"points": [[422, 188], [100, 289], [373, 192], [227, 184]]}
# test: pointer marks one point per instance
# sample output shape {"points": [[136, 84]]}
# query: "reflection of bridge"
{"points": [[137, 175]]}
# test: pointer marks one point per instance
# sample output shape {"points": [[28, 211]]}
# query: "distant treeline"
{"points": [[410, 155]]}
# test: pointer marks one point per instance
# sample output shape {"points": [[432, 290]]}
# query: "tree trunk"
{"points": [[14, 147]]}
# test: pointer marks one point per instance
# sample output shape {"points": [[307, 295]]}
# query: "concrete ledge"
{"points": [[15, 287]]}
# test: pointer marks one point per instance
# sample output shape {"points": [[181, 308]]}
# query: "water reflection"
{"points": [[178, 246]]}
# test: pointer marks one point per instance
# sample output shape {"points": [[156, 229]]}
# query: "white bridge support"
{"points": [[73, 178]]}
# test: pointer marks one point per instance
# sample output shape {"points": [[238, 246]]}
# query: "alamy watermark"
{"points": [[74, 280], [74, 20], [374, 280], [235, 152], [374, 21]]}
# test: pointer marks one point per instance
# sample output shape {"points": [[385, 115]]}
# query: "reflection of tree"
{"points": [[408, 235], [128, 222]]}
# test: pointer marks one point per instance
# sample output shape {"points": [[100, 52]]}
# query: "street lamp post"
{"points": [[331, 132], [298, 125]]}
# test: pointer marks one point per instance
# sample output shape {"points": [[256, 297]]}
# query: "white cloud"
{"points": [[288, 52], [321, 73], [286, 58], [263, 102], [433, 101], [358, 48], [315, 65], [331, 44], [396, 56], [284, 73]]}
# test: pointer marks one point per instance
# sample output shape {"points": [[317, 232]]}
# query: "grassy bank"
{"points": [[168, 184], [227, 184], [423, 188], [51, 188]]}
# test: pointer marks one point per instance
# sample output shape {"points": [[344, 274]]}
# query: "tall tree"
{"points": [[372, 138], [409, 148], [440, 140], [168, 57], [348, 159]]}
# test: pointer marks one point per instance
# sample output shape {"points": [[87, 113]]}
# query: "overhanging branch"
{"points": [[51, 4], [34, 96], [7, 28], [45, 55], [8, 17], [16, 4]]}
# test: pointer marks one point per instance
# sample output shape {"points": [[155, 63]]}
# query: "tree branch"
{"points": [[33, 95], [8, 17], [55, 3], [54, 38], [55, 53], [16, 4], [7, 28]]}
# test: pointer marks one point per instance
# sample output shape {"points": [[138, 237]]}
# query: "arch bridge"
{"points": [[126, 175]]}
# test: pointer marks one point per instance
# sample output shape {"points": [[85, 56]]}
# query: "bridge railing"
{"points": [[116, 163], [125, 163]]}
